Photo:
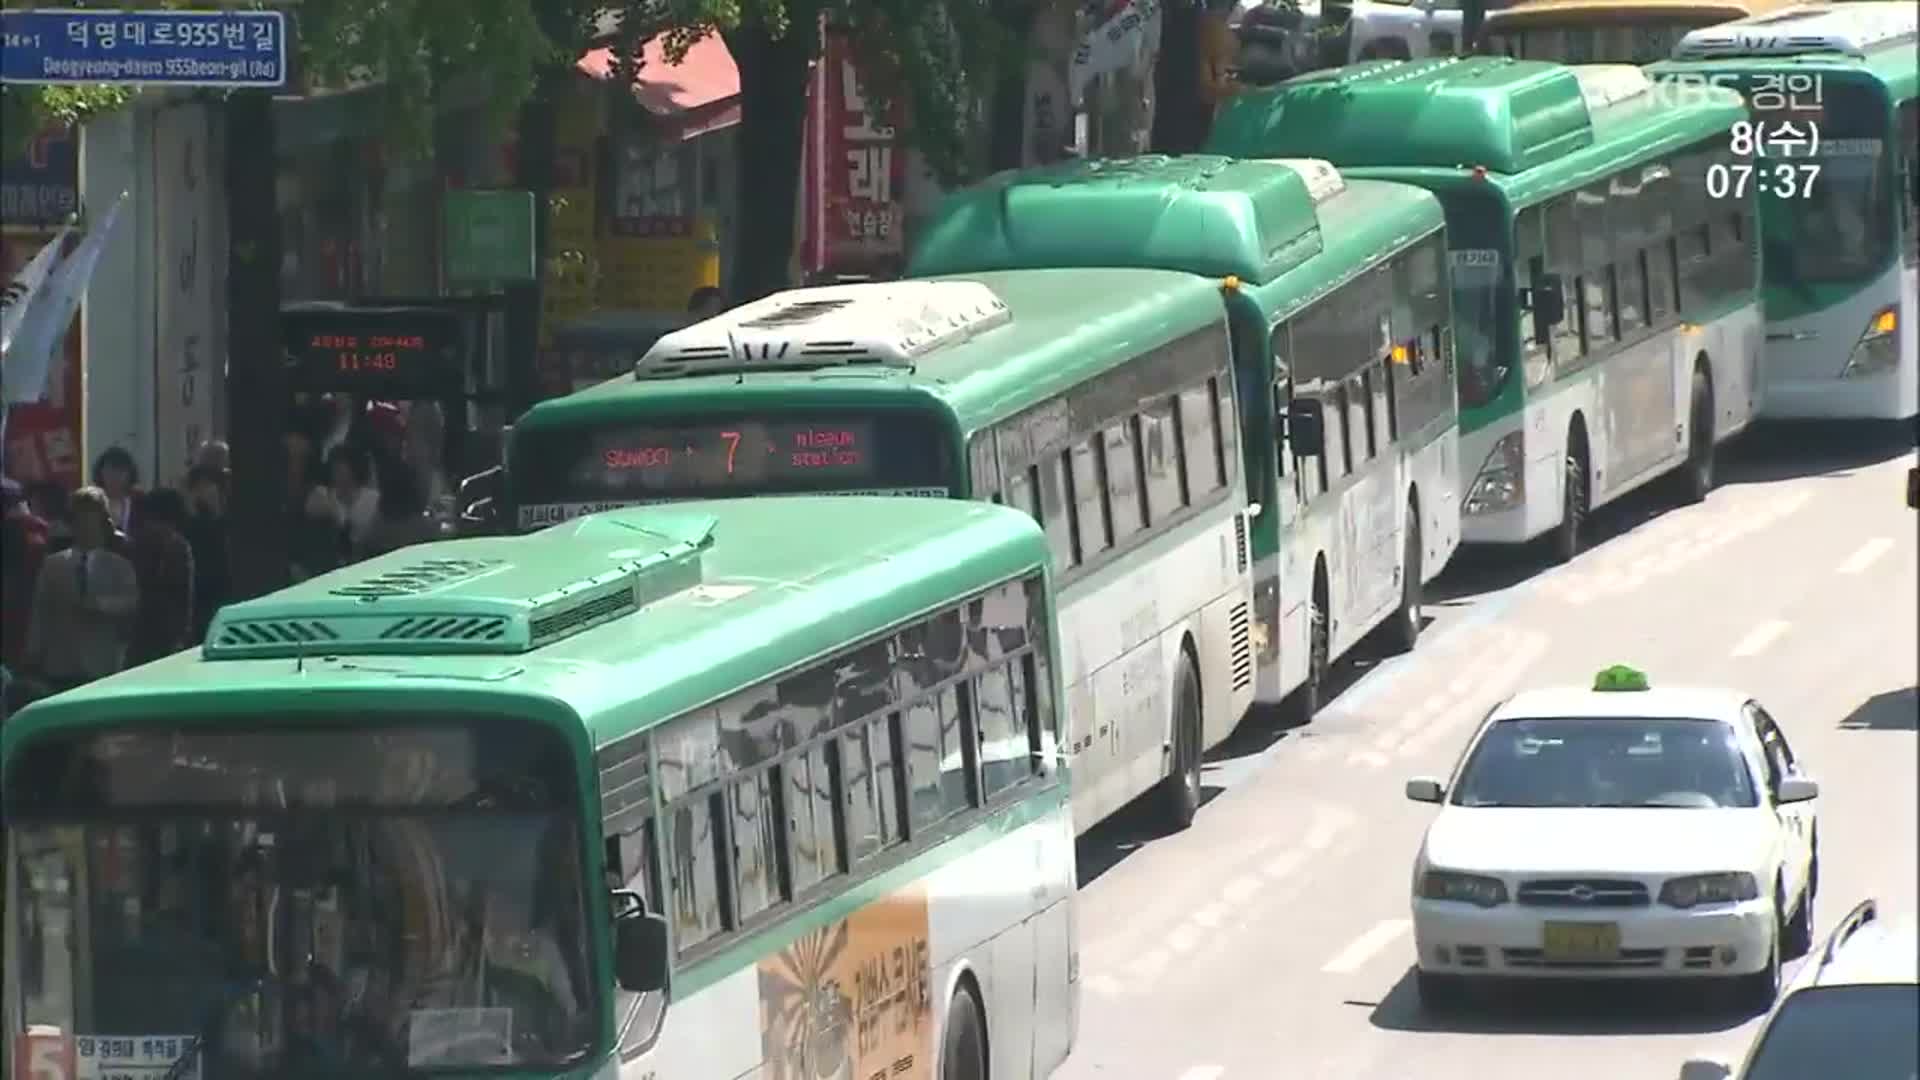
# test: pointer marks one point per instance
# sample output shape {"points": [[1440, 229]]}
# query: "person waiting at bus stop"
{"points": [[83, 602]]}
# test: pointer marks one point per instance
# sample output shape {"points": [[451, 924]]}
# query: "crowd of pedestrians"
{"points": [[114, 574]]}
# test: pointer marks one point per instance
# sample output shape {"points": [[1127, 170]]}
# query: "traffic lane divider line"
{"points": [[1866, 555], [1527, 650], [1758, 638], [1366, 946]]}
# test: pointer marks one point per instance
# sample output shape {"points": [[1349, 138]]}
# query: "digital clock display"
{"points": [[893, 453], [382, 352]]}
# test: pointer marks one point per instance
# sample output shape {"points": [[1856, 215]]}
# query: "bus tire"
{"points": [[1180, 791], [1569, 537], [1305, 702], [1406, 621], [1696, 476], [963, 1046]]}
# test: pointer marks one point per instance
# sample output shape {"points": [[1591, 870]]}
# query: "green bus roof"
{"points": [[1065, 326], [1870, 39], [1350, 218], [647, 612], [1507, 116], [1207, 215]]}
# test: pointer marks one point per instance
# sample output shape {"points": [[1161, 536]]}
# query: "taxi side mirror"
{"points": [[1913, 487], [1796, 789], [1705, 1069], [1425, 789]]}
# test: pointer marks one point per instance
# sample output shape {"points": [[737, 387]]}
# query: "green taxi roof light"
{"points": [[1620, 677]]}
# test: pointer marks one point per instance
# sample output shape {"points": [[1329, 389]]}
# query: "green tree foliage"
{"points": [[939, 58]]}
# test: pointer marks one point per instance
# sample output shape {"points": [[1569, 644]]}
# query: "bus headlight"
{"points": [[1878, 348], [1502, 481]]}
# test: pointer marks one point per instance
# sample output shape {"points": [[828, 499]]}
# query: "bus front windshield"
{"points": [[327, 903], [559, 472], [1840, 227]]}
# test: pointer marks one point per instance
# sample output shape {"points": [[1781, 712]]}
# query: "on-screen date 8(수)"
{"points": [[1765, 174]]}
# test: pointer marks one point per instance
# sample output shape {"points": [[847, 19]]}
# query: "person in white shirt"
{"points": [[83, 602], [356, 499]]}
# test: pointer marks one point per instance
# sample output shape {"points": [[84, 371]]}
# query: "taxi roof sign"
{"points": [[1619, 677]]}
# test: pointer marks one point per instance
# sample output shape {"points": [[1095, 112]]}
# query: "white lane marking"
{"points": [[1520, 656], [1203, 1072], [1864, 557], [1760, 637], [1367, 946], [1284, 863]]}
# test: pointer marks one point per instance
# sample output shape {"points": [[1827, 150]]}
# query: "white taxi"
{"points": [[1618, 831]]}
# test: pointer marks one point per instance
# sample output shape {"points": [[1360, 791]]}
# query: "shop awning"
{"points": [[698, 95]]}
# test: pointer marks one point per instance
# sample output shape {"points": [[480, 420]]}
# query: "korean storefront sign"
{"points": [[855, 170]]}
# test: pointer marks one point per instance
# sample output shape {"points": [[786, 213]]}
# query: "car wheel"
{"points": [[1569, 539], [1405, 625], [1754, 994], [1304, 704], [1696, 476], [1180, 791], [1798, 939], [963, 1049], [1440, 993]]}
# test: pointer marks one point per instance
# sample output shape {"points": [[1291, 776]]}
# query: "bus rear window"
{"points": [[556, 474]]}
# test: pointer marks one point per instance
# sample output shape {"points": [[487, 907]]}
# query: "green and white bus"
{"points": [[1342, 339], [760, 788], [1100, 402], [1608, 298], [1832, 91]]}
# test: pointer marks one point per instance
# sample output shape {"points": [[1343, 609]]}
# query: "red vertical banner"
{"points": [[43, 437], [855, 171]]}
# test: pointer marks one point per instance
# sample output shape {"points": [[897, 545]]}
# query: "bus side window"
{"points": [[755, 827], [1663, 298], [1360, 417], [1631, 273], [985, 468], [1056, 501], [1530, 251], [700, 910], [1089, 500], [1316, 475], [1592, 217], [1120, 455], [870, 765], [1339, 449], [1160, 448], [1384, 417], [1910, 178], [1199, 434]]}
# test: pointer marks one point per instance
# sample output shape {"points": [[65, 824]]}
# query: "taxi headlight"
{"points": [[1465, 888], [1686, 892]]}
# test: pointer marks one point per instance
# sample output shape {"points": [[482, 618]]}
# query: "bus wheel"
{"points": [[1696, 478], [1180, 791], [1570, 537], [963, 1050], [1305, 701], [1406, 621]]}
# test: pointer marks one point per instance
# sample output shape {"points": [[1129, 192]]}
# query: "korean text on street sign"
{"points": [[174, 48]]}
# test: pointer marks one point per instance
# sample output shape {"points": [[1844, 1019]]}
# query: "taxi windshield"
{"points": [[251, 902], [1607, 762], [1871, 1028]]}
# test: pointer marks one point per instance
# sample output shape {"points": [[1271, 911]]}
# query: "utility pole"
{"points": [[258, 398]]}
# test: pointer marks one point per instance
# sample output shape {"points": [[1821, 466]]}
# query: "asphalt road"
{"points": [[1272, 939]]}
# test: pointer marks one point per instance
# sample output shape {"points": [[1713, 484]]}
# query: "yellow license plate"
{"points": [[1581, 941]]}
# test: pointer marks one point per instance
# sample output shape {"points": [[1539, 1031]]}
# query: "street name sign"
{"points": [[168, 48]]}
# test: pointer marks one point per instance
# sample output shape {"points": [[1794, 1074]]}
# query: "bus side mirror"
{"points": [[639, 945], [1306, 429]]}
